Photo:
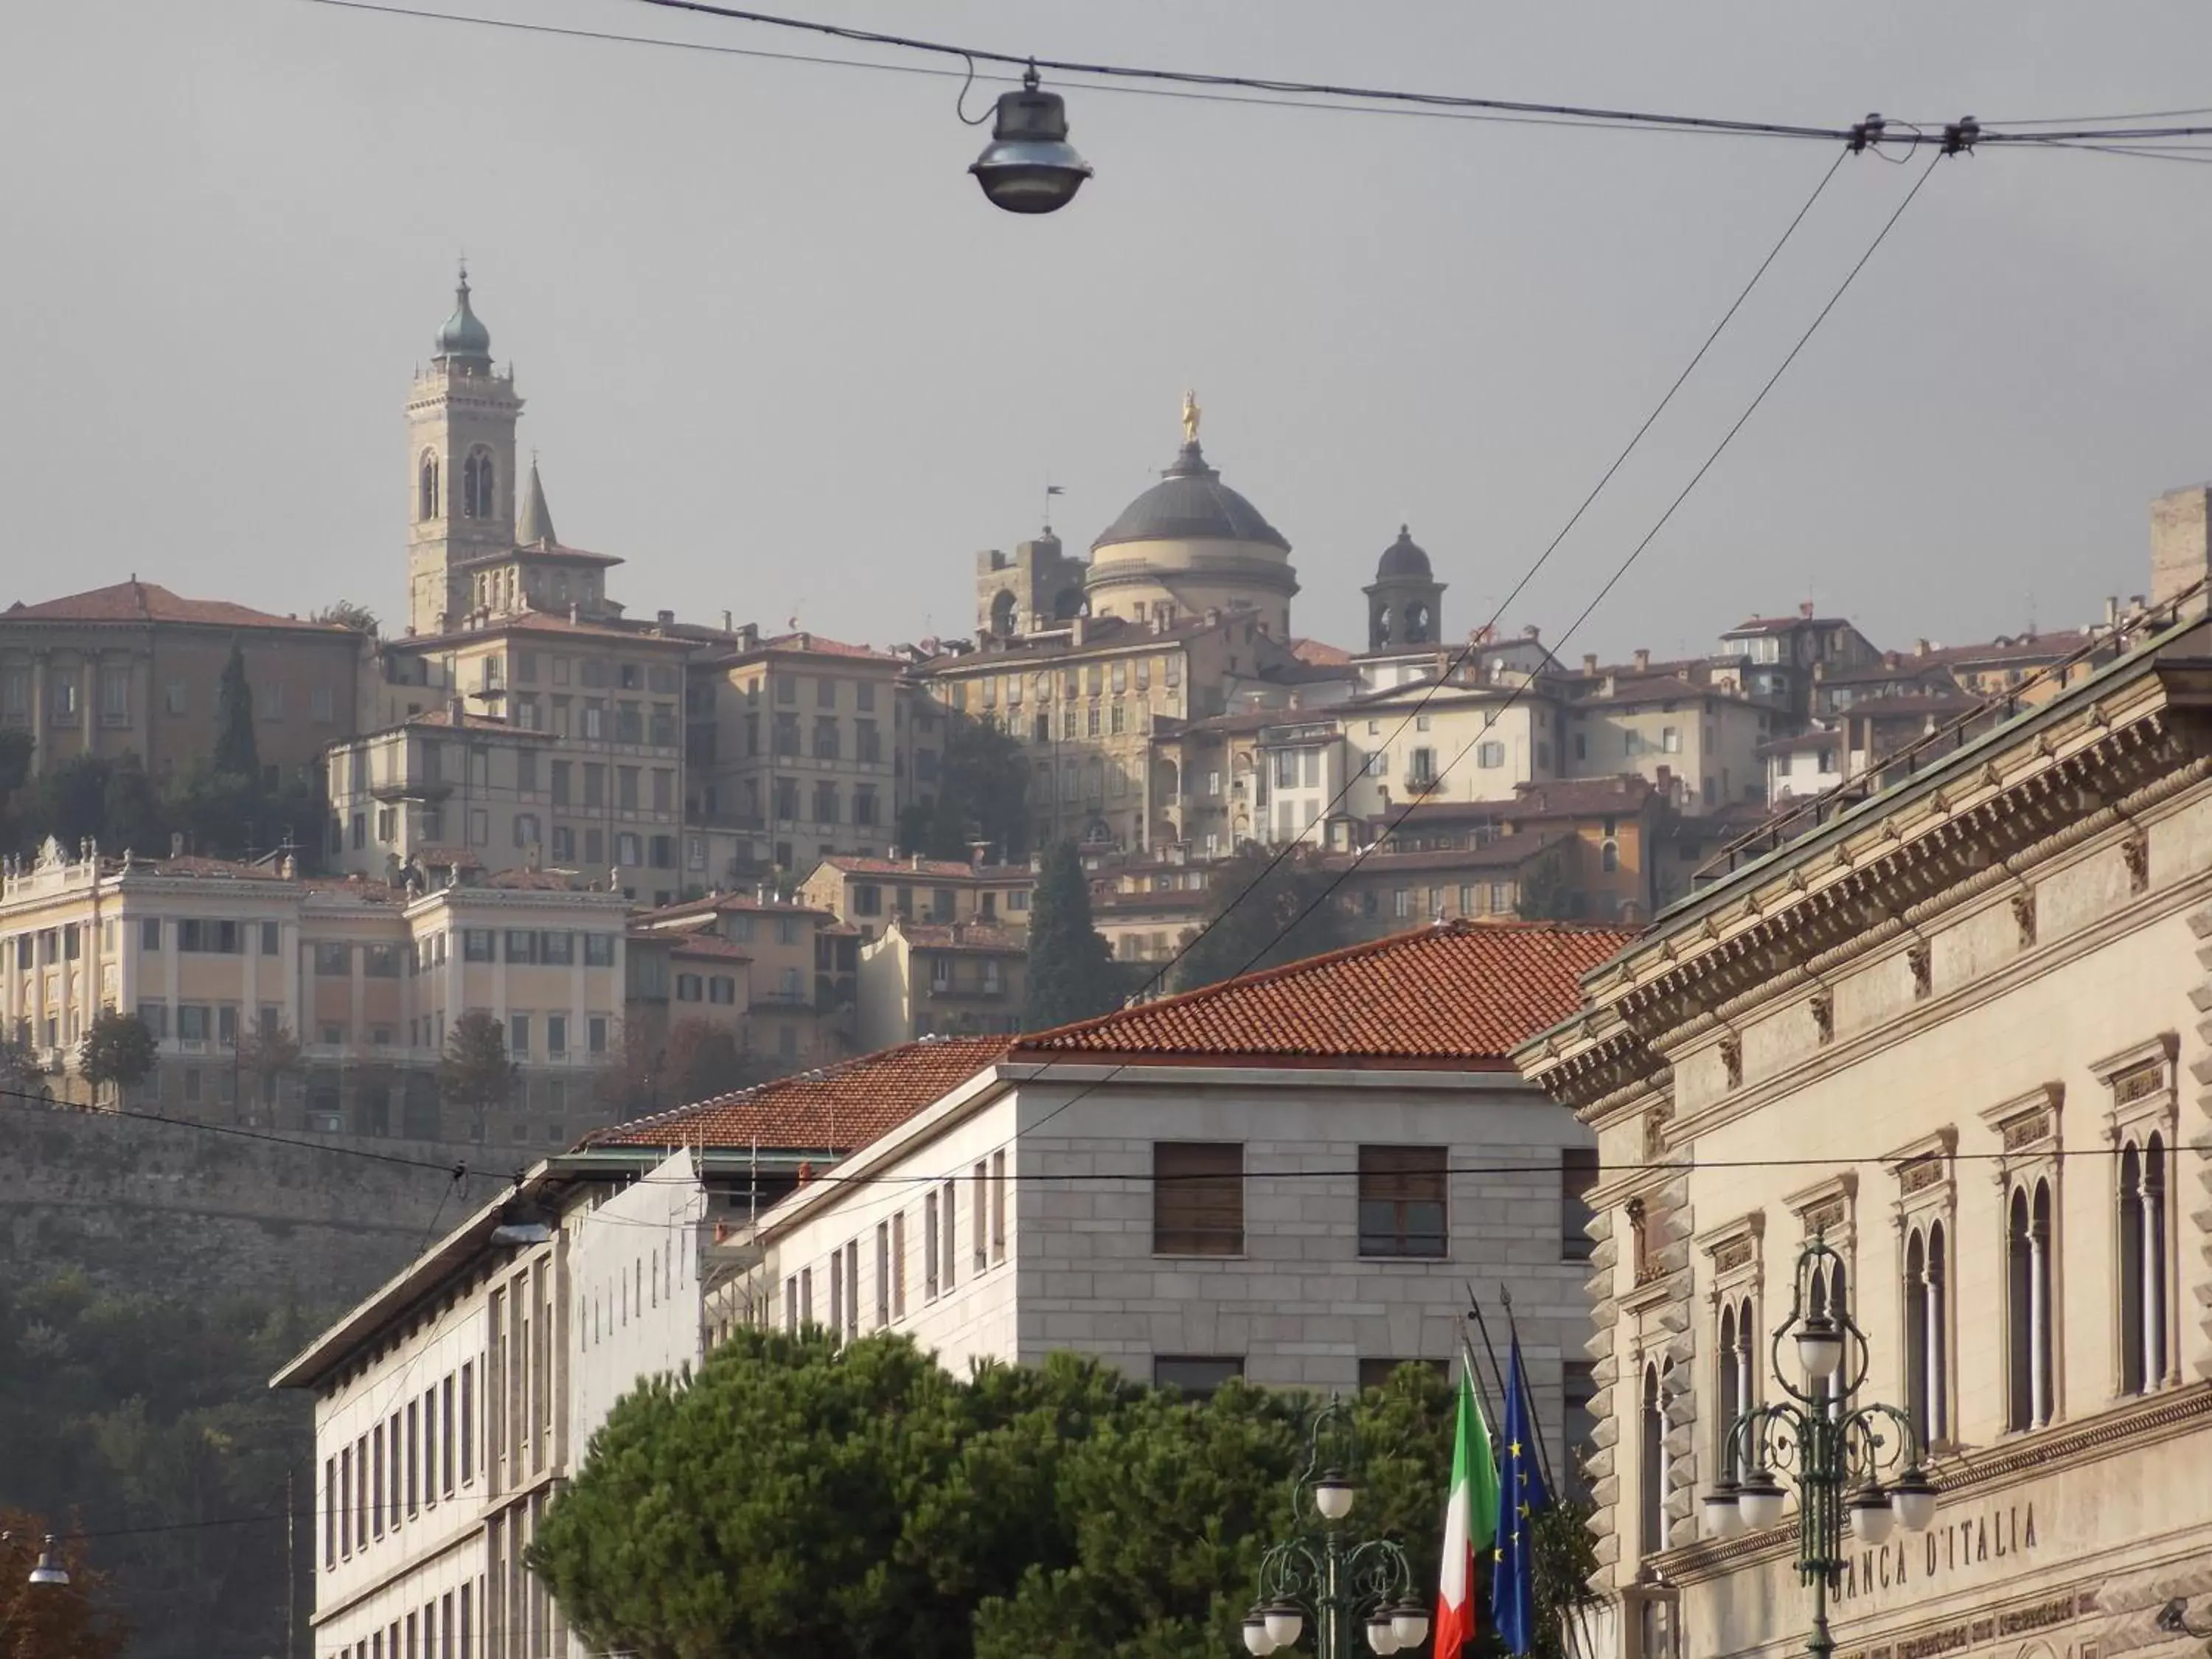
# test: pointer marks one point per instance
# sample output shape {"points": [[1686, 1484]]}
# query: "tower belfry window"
{"points": [[476, 485], [426, 507]]}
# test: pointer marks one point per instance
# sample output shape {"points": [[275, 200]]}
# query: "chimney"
{"points": [[725, 621], [455, 712], [917, 860], [1532, 632], [1920, 647], [1606, 687], [2112, 611], [665, 618], [1806, 611], [1590, 662], [749, 637], [1642, 659], [1075, 630], [2180, 540], [575, 612]]}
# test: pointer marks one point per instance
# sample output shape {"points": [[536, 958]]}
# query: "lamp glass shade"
{"points": [[1409, 1621], [1723, 1510], [1380, 1637], [1913, 1498], [1283, 1623], [1872, 1518], [1820, 1347], [1028, 166], [1257, 1641], [1332, 1493], [1761, 1500], [47, 1571]]}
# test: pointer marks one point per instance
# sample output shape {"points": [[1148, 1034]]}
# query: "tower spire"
{"points": [[535, 527]]}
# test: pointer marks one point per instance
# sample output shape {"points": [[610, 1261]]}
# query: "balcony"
{"points": [[967, 991], [1422, 783]]}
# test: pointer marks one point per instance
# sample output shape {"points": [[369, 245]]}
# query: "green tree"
{"points": [[235, 753], [347, 614], [118, 1049], [17, 748], [20, 1072], [67, 1621], [1071, 969], [1261, 913], [1546, 893], [702, 1059], [132, 815], [981, 794], [71, 801], [474, 1071], [266, 1055]]}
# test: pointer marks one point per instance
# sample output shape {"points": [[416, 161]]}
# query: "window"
{"points": [[1577, 1175], [898, 1265], [978, 1217], [1927, 1393], [998, 1206], [2142, 1265], [598, 950], [1401, 1201], [414, 1459], [2027, 1307], [446, 1436], [518, 1036], [150, 934], [883, 1274], [951, 1235], [1377, 1373], [1733, 1360], [468, 1424], [1198, 1198], [334, 959], [929, 1246], [1490, 754], [1196, 1375], [476, 481], [1651, 1464]]}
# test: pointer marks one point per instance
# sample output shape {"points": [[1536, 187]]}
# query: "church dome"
{"points": [[1403, 557], [462, 335], [1190, 503]]}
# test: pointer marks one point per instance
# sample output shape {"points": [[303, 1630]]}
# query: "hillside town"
{"points": [[550, 1122]]}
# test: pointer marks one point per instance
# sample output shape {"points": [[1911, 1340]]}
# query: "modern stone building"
{"points": [[1953, 1027], [1288, 1177]]}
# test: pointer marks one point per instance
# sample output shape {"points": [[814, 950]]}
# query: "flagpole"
{"points": [[1475, 1313], [1578, 1611]]}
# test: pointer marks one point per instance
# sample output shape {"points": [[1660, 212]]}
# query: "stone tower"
{"points": [[1405, 602], [1038, 586], [461, 449]]}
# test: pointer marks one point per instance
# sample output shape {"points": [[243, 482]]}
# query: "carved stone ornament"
{"points": [[1828, 1216], [1917, 959], [1736, 1252], [2025, 1131], [2023, 914], [1655, 1134], [1921, 1174], [1823, 1006], [1732, 1061], [2139, 1082], [2136, 852]]}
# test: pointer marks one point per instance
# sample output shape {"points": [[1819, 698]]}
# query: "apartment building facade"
{"points": [[1953, 1031], [957, 979], [800, 970], [316, 1003], [868, 893]]}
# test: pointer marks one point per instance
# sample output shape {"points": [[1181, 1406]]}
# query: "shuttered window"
{"points": [[1198, 1198], [1401, 1201]]}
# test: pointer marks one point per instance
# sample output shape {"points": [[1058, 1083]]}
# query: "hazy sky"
{"points": [[780, 354]]}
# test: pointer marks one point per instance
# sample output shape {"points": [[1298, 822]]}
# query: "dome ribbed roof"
{"points": [[1191, 503], [1403, 557], [462, 335]]}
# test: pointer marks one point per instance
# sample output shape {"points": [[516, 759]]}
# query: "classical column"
{"points": [[2150, 1204], [1931, 1300]]}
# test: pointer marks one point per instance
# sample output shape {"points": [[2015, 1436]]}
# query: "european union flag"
{"points": [[1521, 1499]]}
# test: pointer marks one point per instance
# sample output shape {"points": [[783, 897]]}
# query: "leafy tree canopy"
{"points": [[235, 754], [982, 794], [348, 614], [800, 1497], [118, 1049], [1072, 975], [1261, 912], [474, 1071]]}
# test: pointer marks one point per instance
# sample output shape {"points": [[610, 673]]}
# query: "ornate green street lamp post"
{"points": [[1321, 1573], [1860, 1466]]}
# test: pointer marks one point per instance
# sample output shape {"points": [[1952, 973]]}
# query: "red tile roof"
{"points": [[1625, 792], [938, 867], [822, 645], [1320, 653], [834, 1110], [135, 601], [1505, 853], [706, 947], [1457, 996]]}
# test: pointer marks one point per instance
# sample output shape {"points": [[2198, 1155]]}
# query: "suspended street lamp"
{"points": [[1028, 166]]}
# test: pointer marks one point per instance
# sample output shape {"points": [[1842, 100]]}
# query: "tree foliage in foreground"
{"points": [[795, 1497], [1072, 971], [1263, 909]]}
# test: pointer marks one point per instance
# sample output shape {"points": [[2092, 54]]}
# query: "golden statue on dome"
{"points": [[1190, 417]]}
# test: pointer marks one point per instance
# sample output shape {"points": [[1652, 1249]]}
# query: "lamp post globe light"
{"points": [[1348, 1588], [1857, 1467]]}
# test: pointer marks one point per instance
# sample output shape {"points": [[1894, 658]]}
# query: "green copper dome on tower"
{"points": [[462, 335]]}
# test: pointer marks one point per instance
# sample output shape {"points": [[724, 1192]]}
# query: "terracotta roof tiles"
{"points": [[1459, 995], [135, 601], [833, 1110]]}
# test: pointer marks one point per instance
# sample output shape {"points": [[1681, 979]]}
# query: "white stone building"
{"points": [[1290, 1177], [1956, 1029]]}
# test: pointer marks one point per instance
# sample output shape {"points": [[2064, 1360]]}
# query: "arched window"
{"points": [[1609, 856], [1734, 1362], [426, 505], [476, 482], [1382, 621], [1002, 613], [1650, 1466], [1926, 1356], [2027, 1308], [2142, 1265], [1827, 1294], [1417, 623]]}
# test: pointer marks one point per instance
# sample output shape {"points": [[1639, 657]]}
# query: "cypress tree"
{"points": [[1072, 973], [235, 754]]}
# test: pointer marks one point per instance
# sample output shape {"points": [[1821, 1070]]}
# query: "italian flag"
{"points": [[1470, 1520]]}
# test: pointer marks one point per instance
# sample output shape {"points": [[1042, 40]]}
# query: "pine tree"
{"points": [[235, 754], [474, 1072], [1072, 973]]}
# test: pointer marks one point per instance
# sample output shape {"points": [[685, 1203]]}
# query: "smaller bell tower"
{"points": [[461, 415], [1405, 602]]}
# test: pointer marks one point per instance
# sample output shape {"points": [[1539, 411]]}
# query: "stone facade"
{"points": [[1958, 1033]]}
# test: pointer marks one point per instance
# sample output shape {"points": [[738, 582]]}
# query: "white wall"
{"points": [[634, 1275]]}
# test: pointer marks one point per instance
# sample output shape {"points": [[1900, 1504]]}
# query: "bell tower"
{"points": [[460, 467], [1405, 602]]}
